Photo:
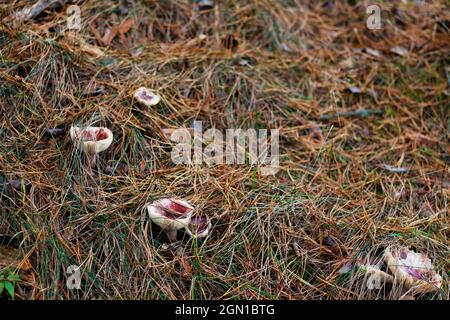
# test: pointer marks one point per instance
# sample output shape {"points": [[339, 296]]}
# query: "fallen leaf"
{"points": [[109, 35], [329, 241], [196, 41], [286, 47], [354, 90], [125, 26], [186, 267], [347, 267], [17, 184], [395, 169], [400, 51], [83, 46], [373, 52], [91, 50]]}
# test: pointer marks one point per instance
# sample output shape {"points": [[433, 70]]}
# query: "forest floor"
{"points": [[364, 146]]}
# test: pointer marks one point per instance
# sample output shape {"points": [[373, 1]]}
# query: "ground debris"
{"points": [[9, 258]]}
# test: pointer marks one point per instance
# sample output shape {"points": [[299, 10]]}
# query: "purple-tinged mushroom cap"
{"points": [[414, 270], [91, 139], [147, 97], [199, 226], [170, 214]]}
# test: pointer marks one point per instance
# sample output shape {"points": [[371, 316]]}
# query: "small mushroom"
{"points": [[198, 227], [171, 215], [92, 141], [147, 97], [413, 270]]}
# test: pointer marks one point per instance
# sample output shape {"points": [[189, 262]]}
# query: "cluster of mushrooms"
{"points": [[172, 215], [414, 271], [169, 214]]}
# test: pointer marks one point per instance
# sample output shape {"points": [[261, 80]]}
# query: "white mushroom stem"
{"points": [[91, 162]]}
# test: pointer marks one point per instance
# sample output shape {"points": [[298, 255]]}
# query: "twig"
{"points": [[362, 113], [33, 11]]}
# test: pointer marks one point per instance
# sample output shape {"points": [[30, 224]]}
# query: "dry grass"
{"points": [[264, 64]]}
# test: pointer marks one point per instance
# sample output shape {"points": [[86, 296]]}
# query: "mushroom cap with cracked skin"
{"points": [[91, 139], [198, 227], [170, 214], [146, 96], [413, 270]]}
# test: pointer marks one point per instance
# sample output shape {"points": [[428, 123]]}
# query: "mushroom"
{"points": [[372, 267], [92, 141], [147, 97], [198, 227], [171, 215], [413, 270], [375, 272]]}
